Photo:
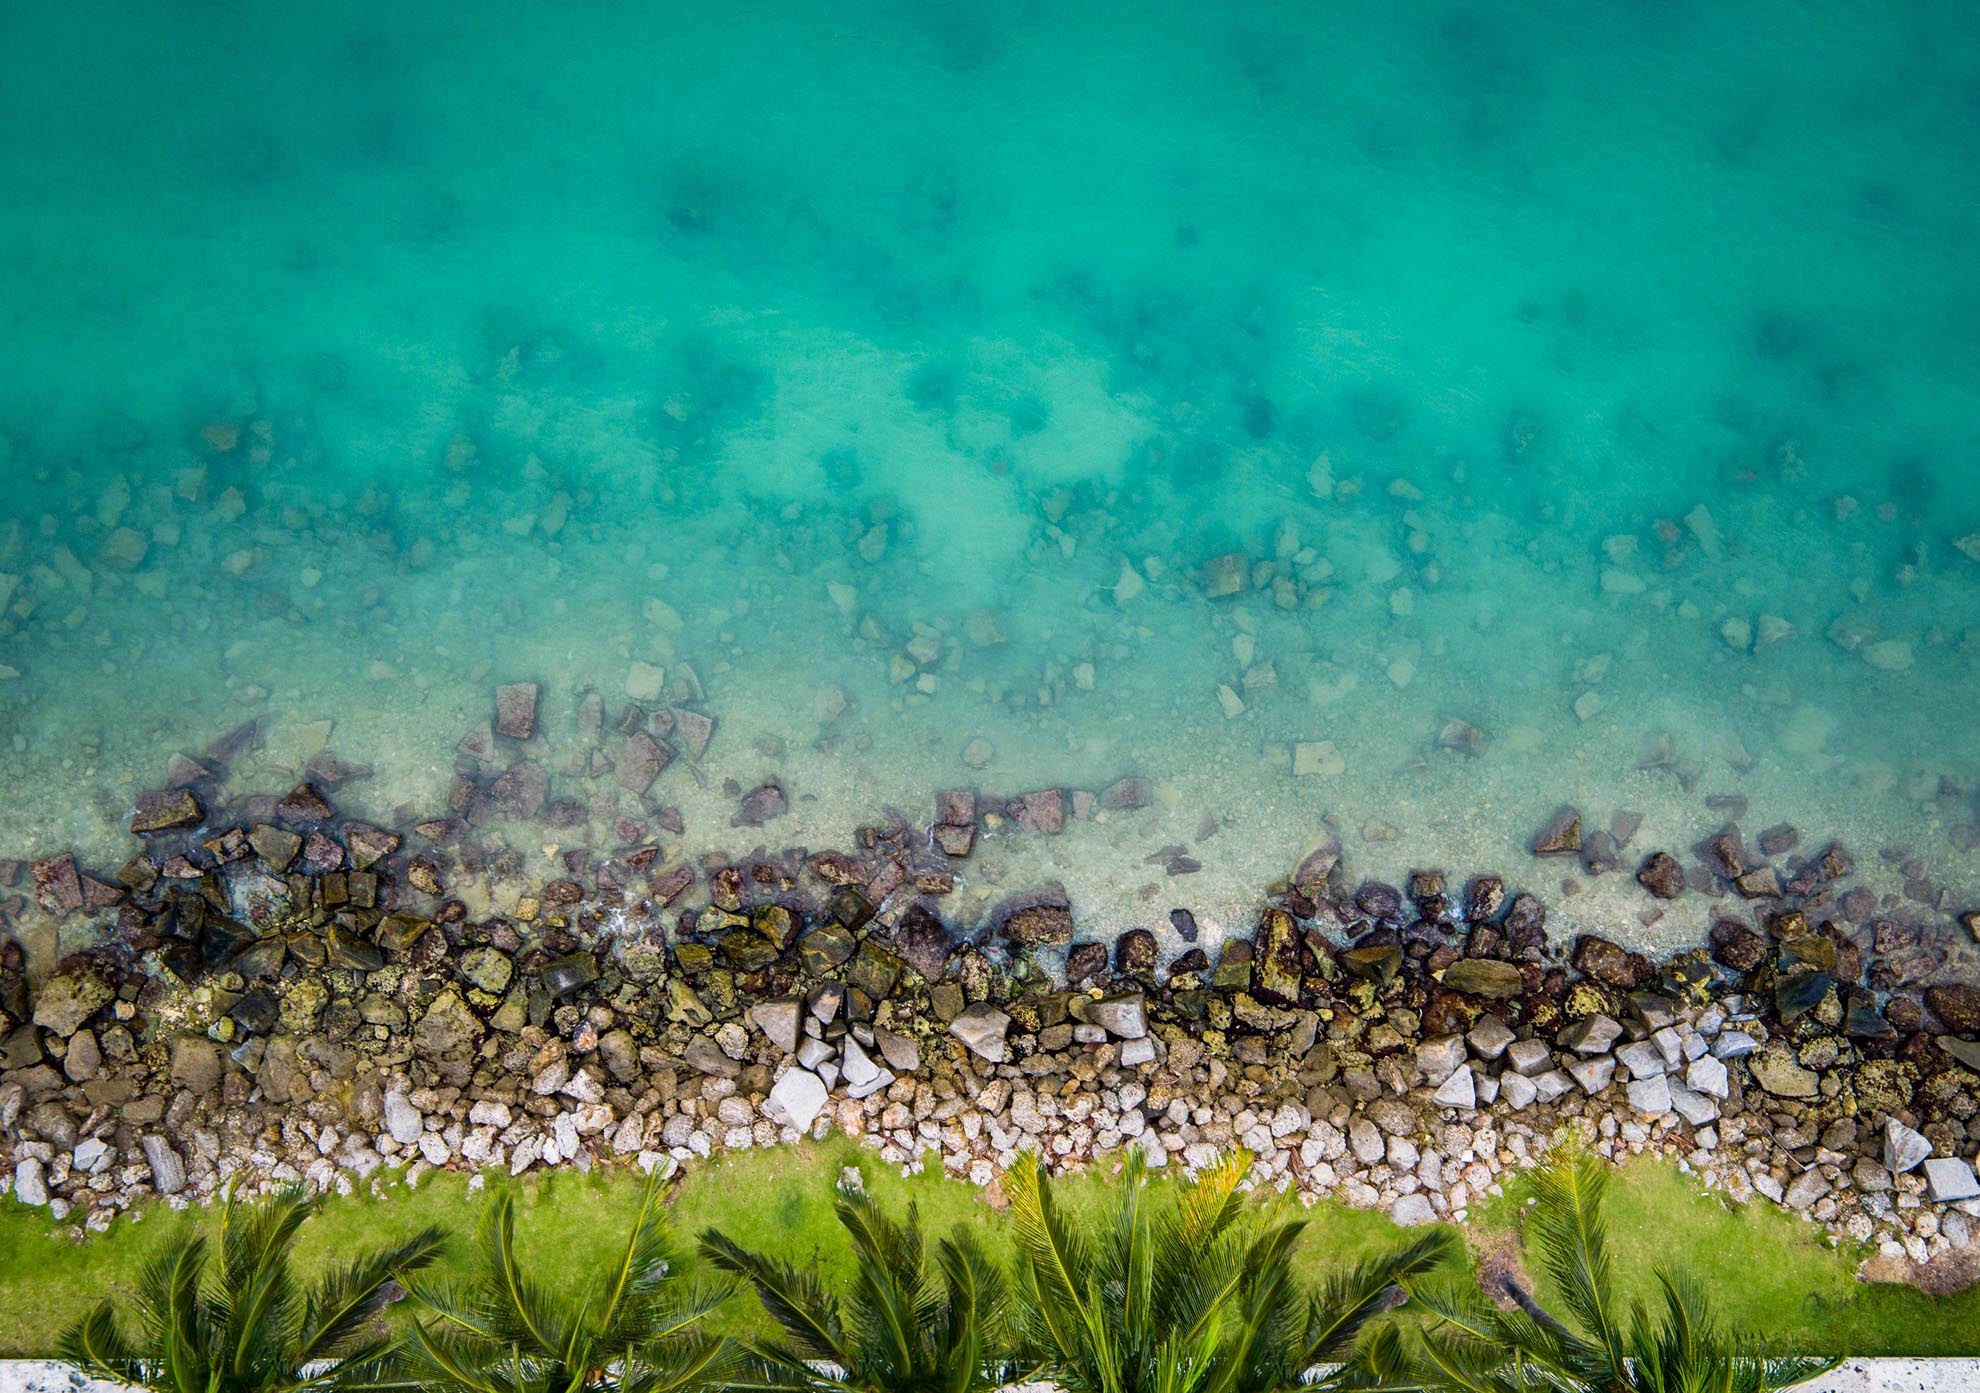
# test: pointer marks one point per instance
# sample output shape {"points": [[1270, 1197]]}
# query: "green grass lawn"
{"points": [[1773, 1274]]}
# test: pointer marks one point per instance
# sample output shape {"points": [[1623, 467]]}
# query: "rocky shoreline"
{"points": [[273, 989]]}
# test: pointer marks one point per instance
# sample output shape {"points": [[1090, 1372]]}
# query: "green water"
{"points": [[897, 368]]}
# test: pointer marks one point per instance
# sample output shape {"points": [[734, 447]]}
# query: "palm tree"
{"points": [[247, 1327], [907, 1326], [1472, 1347], [1194, 1296], [632, 1328]]}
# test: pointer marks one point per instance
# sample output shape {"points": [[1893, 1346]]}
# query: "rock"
{"points": [[1084, 960], [1437, 1060], [1561, 836], [954, 839], [1957, 1004], [1046, 923], [1276, 959], [1594, 1074], [402, 1120], [760, 805], [1135, 953], [196, 1063], [1126, 793], [30, 1182], [1365, 1140], [641, 758], [1736, 946], [1460, 1090], [1486, 977], [1644, 1059], [168, 1172], [645, 682], [515, 710], [1517, 1091], [1695, 1108], [1651, 1096], [160, 810], [1412, 1210], [796, 1100], [276, 846], [1775, 1069], [1042, 810], [1490, 1037], [1904, 1148], [1610, 963], [1123, 1015], [1948, 1179], [1226, 575], [447, 1030], [487, 968], [1708, 1076], [65, 1002], [1805, 1189], [780, 1021], [564, 975], [981, 1028], [1376, 963], [1590, 1035], [1553, 1085], [1662, 875], [1734, 1044], [924, 942], [369, 845], [856, 1065], [825, 947], [1461, 736], [57, 886], [522, 790], [1529, 1057], [902, 1054]]}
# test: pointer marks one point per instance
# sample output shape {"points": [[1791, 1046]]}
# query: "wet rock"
{"points": [[57, 887], [523, 789], [566, 974], [488, 969], [1462, 737], [1736, 946], [1376, 963], [1484, 977], [1184, 923], [276, 846], [1610, 963], [954, 839], [1126, 793], [1957, 1004], [1561, 835], [1662, 875], [161, 810], [1796, 994], [1135, 954], [1041, 923], [1084, 960], [1042, 811], [982, 1030], [304, 805], [760, 805], [641, 758], [924, 942], [1276, 959], [67, 1000], [1760, 883], [515, 710], [825, 947], [1226, 575], [1484, 895], [1379, 900]]}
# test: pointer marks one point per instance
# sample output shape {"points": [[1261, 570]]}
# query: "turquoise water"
{"points": [[897, 369]]}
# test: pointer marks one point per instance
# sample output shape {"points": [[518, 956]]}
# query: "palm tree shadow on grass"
{"points": [[1682, 1347]]}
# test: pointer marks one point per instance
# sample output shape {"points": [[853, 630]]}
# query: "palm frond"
{"points": [[794, 1297], [1567, 1223], [353, 1295]]}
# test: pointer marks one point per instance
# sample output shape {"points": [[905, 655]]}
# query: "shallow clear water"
{"points": [[898, 369]]}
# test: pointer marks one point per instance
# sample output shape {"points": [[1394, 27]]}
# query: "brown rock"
{"points": [[160, 810], [57, 886], [760, 805], [1561, 836], [515, 710], [641, 759], [1125, 793], [1042, 922], [1084, 960], [1610, 963], [1957, 1004], [1043, 811], [1662, 875]]}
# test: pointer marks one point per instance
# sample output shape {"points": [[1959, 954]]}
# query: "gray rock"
{"points": [[1694, 1107], [1643, 1059], [1805, 1189], [1552, 1086], [1457, 1091], [1777, 1071], [796, 1099], [856, 1066], [620, 1053], [1123, 1015], [1707, 1075], [704, 1055], [1412, 1210], [902, 1054], [92, 1156], [30, 1182], [882, 1078], [812, 1052], [402, 1119], [1903, 1147], [981, 1028], [1138, 1052], [1365, 1140], [1651, 1096], [1669, 1043], [1591, 1035], [779, 1021], [1529, 1057], [168, 1172], [1438, 1059], [1490, 1037], [1517, 1090], [1593, 1075], [1734, 1044]]}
